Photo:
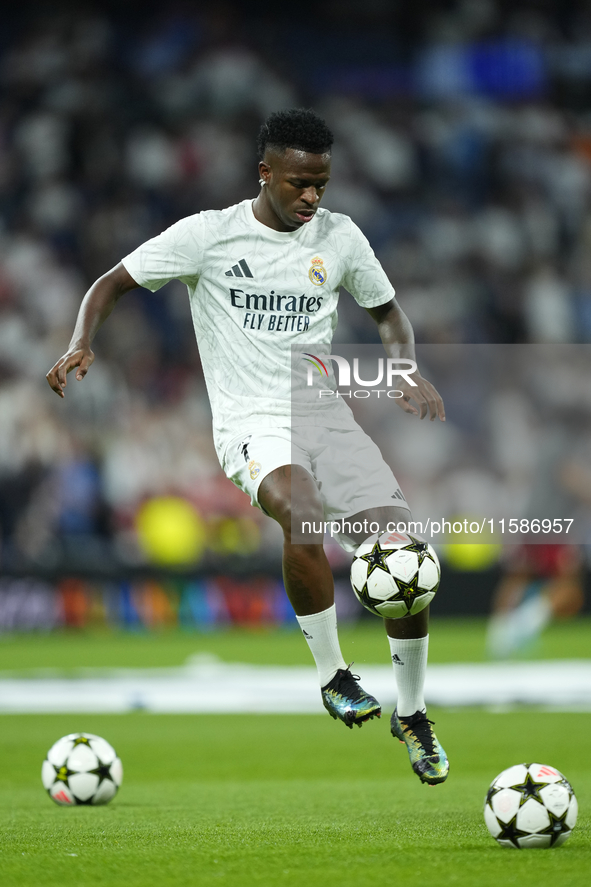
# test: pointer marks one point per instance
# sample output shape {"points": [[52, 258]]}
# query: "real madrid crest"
{"points": [[254, 469], [317, 272]]}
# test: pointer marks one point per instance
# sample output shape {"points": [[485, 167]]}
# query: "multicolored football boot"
{"points": [[426, 754], [343, 698]]}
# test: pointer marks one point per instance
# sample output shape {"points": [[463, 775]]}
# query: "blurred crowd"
{"points": [[463, 150], [32, 604]]}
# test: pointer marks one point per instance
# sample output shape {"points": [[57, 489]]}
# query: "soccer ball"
{"points": [[81, 769], [395, 574], [530, 805]]}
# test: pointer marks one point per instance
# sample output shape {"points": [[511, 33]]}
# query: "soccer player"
{"points": [[263, 276], [539, 583]]}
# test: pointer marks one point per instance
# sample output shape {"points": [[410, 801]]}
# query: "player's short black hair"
{"points": [[298, 128]]}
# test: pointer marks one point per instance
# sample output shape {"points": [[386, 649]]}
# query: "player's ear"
{"points": [[264, 172]]}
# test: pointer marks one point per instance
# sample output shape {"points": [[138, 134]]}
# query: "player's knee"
{"points": [[292, 500], [307, 519], [301, 517]]}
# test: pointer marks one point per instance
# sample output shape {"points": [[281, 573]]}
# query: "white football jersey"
{"points": [[255, 293]]}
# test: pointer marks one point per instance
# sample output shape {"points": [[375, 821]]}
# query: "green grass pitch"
{"points": [[276, 800]]}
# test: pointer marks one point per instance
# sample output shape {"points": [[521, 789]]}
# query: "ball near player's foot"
{"points": [[81, 770]]}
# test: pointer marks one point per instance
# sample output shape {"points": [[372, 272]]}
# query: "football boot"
{"points": [[343, 698], [426, 754]]}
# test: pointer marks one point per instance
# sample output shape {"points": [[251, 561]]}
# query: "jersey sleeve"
{"points": [[176, 254], [364, 277]]}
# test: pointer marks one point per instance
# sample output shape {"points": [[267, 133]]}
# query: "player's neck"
{"points": [[266, 215]]}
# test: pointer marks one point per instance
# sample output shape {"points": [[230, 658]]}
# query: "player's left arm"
{"points": [[397, 335]]}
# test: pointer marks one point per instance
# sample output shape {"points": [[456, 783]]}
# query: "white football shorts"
{"points": [[347, 465]]}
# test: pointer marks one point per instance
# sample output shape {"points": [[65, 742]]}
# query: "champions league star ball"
{"points": [[82, 769], [395, 574], [530, 805]]}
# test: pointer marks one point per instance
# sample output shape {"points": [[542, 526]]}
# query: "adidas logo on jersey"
{"points": [[241, 269], [397, 495]]}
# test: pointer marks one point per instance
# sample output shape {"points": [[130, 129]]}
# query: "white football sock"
{"points": [[409, 658], [320, 631]]}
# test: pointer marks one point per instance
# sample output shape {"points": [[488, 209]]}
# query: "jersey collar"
{"points": [[270, 233]]}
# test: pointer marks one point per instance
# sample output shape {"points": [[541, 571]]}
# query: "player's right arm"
{"points": [[96, 306]]}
